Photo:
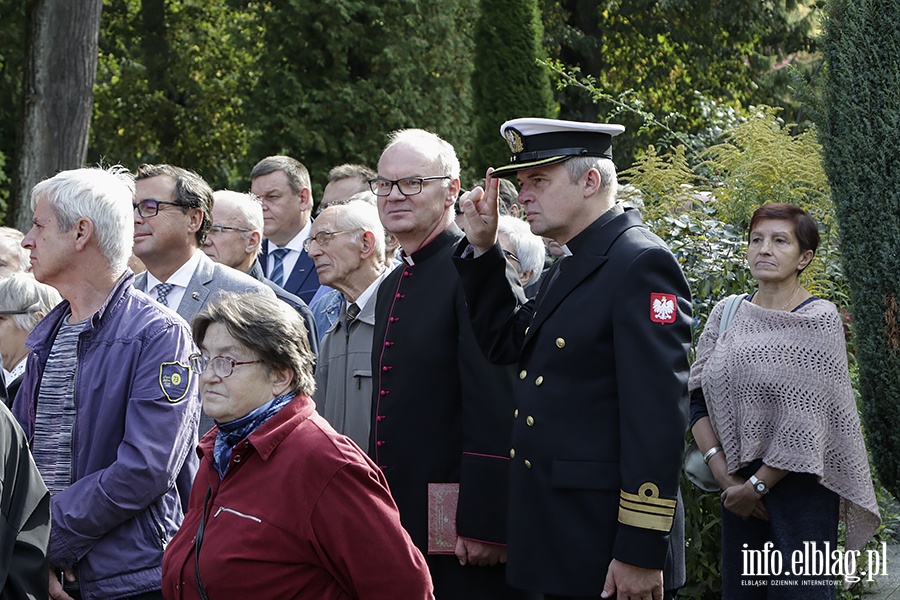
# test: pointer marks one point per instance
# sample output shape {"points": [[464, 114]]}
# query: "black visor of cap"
{"points": [[544, 149]]}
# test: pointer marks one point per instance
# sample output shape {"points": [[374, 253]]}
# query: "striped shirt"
{"points": [[55, 417]]}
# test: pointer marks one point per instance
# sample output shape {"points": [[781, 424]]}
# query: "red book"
{"points": [[442, 501]]}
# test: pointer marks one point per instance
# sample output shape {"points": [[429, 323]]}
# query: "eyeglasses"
{"points": [[323, 238], [222, 366], [150, 208], [220, 228], [408, 186], [510, 256]]}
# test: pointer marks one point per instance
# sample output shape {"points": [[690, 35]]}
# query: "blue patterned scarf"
{"points": [[234, 431]]}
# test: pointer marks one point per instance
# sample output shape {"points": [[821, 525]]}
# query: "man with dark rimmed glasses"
{"points": [[442, 414], [172, 218]]}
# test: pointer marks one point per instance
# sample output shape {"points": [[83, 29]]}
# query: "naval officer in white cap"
{"points": [[602, 361]]}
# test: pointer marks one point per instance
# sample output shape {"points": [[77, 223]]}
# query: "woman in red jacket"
{"points": [[283, 506]]}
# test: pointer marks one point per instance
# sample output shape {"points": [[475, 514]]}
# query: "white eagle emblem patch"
{"points": [[662, 308]]}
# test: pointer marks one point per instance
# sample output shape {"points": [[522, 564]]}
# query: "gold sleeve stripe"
{"points": [[644, 520], [656, 510], [647, 500]]}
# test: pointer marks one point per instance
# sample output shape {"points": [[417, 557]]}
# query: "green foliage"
{"points": [[507, 81], [336, 77], [12, 62], [171, 86], [703, 210], [862, 117], [736, 53]]}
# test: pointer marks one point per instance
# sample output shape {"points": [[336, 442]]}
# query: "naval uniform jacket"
{"points": [[601, 404], [442, 412]]}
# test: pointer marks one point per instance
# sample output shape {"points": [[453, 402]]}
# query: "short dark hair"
{"points": [[191, 191], [266, 326], [296, 172], [805, 227]]}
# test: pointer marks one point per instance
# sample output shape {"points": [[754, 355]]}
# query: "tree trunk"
{"points": [[58, 94]]}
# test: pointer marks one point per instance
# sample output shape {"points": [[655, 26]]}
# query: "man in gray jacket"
{"points": [[347, 245], [172, 217]]}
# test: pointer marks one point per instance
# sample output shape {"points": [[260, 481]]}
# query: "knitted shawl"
{"points": [[778, 389]]}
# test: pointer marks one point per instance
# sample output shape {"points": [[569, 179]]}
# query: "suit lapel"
{"points": [[140, 281], [196, 293], [302, 269], [263, 258], [590, 257]]}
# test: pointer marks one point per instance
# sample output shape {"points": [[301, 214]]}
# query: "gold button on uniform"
{"points": [[512, 452], [539, 380], [516, 413], [523, 374], [527, 464], [529, 421], [560, 343], [526, 330]]}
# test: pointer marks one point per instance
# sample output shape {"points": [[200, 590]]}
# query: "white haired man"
{"points": [[442, 412], [235, 240], [13, 257], [108, 399], [524, 250], [347, 245]]}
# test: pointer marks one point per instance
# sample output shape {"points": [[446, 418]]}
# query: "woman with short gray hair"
{"points": [[282, 506], [23, 303]]}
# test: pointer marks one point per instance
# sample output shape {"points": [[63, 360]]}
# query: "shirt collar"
{"points": [[369, 292], [181, 277], [296, 242]]}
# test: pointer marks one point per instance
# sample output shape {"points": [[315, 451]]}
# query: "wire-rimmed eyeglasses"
{"points": [[216, 228], [222, 366], [510, 256], [150, 208], [408, 186], [323, 238]]}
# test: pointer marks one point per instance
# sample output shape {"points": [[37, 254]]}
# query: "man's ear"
{"points": [[254, 240], [306, 200], [452, 192], [196, 219], [592, 182], [368, 244], [84, 232]]}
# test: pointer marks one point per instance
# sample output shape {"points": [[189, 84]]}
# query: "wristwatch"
{"points": [[759, 485]]}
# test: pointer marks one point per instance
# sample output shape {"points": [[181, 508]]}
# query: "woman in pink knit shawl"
{"points": [[773, 412]]}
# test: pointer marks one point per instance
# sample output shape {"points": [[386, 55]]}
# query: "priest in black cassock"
{"points": [[441, 412]]}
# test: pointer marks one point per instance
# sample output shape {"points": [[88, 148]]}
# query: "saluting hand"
{"points": [[482, 210]]}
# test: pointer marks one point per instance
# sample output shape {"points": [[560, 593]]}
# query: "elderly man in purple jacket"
{"points": [[108, 402]]}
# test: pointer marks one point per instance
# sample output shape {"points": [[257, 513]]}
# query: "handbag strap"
{"points": [[732, 304]]}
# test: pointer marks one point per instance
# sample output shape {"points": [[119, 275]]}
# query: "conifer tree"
{"points": [[507, 81], [862, 118]]}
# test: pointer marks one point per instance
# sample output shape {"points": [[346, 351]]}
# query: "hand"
{"points": [[632, 583], [744, 501], [479, 553], [56, 588], [482, 209]]}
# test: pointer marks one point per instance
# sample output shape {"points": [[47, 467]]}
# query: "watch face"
{"points": [[761, 487]]}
